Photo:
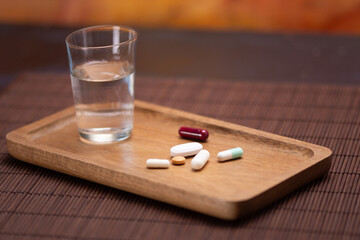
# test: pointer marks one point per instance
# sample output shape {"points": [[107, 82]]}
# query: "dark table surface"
{"points": [[226, 55], [300, 86]]}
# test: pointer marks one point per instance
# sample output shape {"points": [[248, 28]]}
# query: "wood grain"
{"points": [[271, 166]]}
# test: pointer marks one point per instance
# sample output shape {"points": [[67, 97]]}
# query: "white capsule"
{"points": [[230, 154], [157, 163], [199, 161], [186, 149]]}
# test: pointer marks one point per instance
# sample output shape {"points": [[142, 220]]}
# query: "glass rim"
{"points": [[128, 29]]}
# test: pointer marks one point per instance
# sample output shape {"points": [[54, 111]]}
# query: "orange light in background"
{"points": [[262, 15]]}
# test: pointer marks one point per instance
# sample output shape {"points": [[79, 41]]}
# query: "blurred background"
{"points": [[262, 40], [330, 16]]}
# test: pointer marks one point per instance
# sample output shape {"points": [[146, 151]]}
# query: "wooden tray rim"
{"points": [[319, 153]]}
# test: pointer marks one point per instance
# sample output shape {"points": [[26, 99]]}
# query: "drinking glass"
{"points": [[102, 71]]}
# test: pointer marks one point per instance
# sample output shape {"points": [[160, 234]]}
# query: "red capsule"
{"points": [[194, 133]]}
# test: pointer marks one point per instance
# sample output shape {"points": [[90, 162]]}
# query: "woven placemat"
{"points": [[36, 203]]}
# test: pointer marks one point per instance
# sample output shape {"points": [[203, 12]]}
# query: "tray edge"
{"points": [[321, 162]]}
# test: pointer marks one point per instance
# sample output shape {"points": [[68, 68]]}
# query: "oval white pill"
{"points": [[157, 163], [230, 154], [186, 149], [199, 161]]}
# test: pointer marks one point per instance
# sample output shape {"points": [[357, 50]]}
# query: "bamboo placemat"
{"points": [[37, 203]]}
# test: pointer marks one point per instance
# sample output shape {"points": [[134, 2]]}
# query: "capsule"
{"points": [[199, 161], [157, 163], [194, 133], [230, 154]]}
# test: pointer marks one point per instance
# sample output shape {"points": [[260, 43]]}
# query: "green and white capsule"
{"points": [[230, 154]]}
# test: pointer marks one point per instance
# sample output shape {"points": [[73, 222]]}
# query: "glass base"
{"points": [[103, 135]]}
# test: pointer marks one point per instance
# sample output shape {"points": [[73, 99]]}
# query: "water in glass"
{"points": [[104, 100]]}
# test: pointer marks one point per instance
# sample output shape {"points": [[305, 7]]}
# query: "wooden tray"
{"points": [[271, 166]]}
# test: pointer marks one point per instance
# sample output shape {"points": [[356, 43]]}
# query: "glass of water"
{"points": [[102, 71]]}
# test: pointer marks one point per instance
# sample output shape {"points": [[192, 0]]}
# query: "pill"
{"points": [[199, 161], [157, 163], [178, 160], [193, 133], [230, 154], [186, 149]]}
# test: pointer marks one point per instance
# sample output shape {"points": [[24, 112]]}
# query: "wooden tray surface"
{"points": [[271, 166]]}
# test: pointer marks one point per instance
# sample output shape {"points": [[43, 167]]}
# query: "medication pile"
{"points": [[180, 152]]}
